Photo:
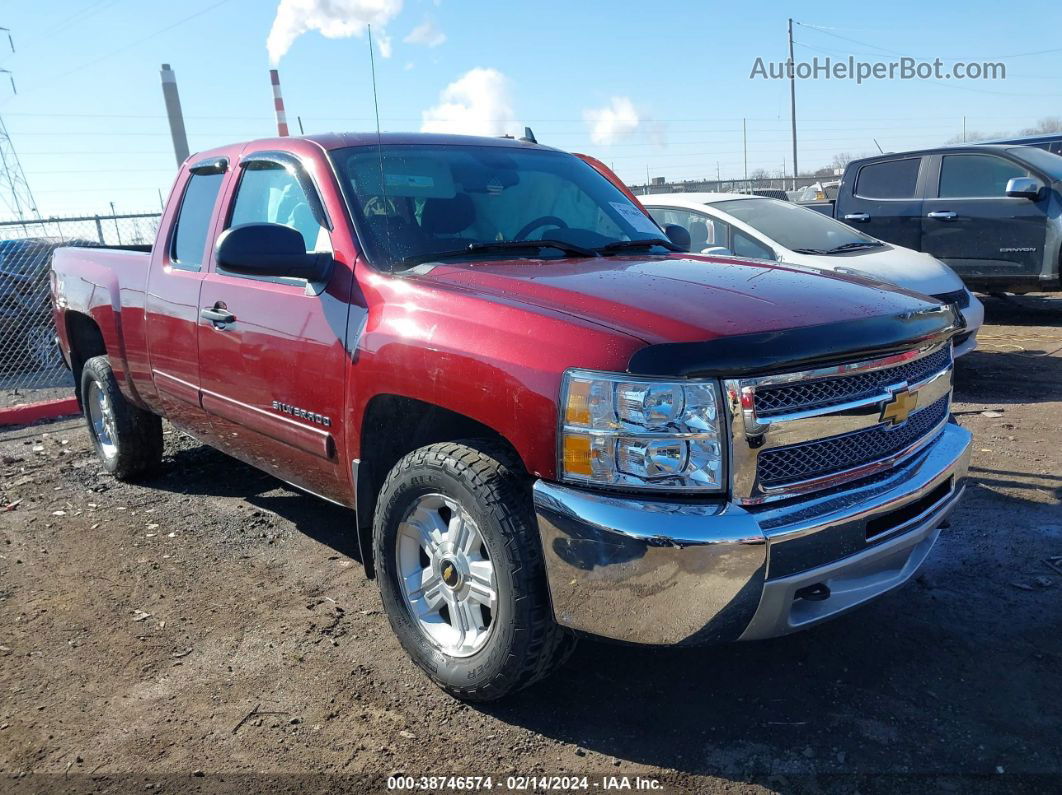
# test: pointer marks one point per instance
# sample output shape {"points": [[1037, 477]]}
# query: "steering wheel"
{"points": [[545, 220]]}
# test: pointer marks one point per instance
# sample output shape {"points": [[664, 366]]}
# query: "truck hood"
{"points": [[682, 298], [914, 270]]}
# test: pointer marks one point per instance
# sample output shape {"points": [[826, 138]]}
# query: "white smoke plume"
{"points": [[333, 19]]}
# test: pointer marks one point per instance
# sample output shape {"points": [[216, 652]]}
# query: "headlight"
{"points": [[641, 433]]}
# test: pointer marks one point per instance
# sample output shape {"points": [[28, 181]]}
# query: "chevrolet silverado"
{"points": [[548, 419]]}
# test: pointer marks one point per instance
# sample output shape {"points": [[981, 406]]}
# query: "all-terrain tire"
{"points": [[129, 441], [525, 643]]}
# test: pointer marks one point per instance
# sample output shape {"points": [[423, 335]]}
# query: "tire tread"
{"points": [[490, 471]]}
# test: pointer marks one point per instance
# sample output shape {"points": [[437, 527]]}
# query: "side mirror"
{"points": [[270, 250], [1023, 188], [717, 251], [678, 235]]}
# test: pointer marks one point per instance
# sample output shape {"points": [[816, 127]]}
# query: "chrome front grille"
{"points": [[784, 465], [805, 395], [960, 298], [800, 432]]}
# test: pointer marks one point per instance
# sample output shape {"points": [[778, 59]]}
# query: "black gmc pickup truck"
{"points": [[993, 212]]}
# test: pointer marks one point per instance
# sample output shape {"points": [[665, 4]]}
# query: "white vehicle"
{"points": [[761, 228]]}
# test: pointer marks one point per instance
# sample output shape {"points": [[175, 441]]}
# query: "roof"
{"points": [[339, 140], [929, 150], [1029, 139]]}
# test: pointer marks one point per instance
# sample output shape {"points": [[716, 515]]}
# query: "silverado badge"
{"points": [[302, 414]]}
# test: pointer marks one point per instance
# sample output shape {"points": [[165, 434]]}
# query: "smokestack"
{"points": [[278, 102], [173, 111]]}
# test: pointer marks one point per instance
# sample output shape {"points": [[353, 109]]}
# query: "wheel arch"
{"points": [[85, 339], [394, 426]]}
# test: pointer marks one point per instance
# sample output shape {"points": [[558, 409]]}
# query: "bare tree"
{"points": [[1045, 126], [842, 159]]}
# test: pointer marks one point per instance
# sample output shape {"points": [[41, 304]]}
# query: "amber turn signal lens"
{"points": [[577, 411], [577, 454]]}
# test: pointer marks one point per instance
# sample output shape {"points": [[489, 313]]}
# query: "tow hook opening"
{"points": [[813, 593]]}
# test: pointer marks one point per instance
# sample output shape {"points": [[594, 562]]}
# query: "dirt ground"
{"points": [[212, 630]]}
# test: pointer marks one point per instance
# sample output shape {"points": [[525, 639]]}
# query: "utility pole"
{"points": [[15, 195], [745, 146], [173, 112], [792, 100]]}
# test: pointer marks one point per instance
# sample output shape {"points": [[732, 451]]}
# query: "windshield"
{"points": [[794, 227], [1040, 159], [468, 202]]}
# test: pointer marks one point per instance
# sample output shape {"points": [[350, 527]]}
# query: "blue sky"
{"points": [[657, 86]]}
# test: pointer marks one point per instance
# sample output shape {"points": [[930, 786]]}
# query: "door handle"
{"points": [[861, 218], [217, 314], [942, 215]]}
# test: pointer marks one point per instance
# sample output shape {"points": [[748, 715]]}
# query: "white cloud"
{"points": [[477, 103], [426, 33], [617, 120], [333, 19]]}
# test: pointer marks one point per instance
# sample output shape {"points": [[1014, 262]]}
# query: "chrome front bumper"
{"points": [[671, 572]]}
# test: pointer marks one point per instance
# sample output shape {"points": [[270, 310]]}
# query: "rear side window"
{"points": [[892, 179], [193, 220], [976, 176]]}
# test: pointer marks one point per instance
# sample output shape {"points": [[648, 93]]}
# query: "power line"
{"points": [[829, 32], [137, 42]]}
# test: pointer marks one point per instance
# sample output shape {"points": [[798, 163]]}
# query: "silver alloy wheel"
{"points": [[446, 575], [101, 415]]}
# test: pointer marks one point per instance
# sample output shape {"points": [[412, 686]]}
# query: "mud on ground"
{"points": [[213, 622]]}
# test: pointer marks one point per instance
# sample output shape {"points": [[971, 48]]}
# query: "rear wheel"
{"points": [[461, 573], [127, 439]]}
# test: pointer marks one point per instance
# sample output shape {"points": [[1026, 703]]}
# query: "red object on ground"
{"points": [[33, 412]]}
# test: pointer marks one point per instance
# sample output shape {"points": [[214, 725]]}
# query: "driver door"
{"points": [[273, 377]]}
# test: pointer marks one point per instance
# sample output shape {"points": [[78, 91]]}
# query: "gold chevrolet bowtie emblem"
{"points": [[900, 407], [449, 575]]}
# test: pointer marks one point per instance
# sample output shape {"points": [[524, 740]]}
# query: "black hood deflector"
{"points": [[788, 350]]}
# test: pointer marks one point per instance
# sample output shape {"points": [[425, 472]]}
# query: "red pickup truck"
{"points": [[547, 418]]}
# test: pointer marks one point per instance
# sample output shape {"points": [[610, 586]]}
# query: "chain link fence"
{"points": [[30, 362]]}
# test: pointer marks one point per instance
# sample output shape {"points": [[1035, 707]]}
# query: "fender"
{"points": [[94, 290]]}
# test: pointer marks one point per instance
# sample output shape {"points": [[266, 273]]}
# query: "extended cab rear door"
{"points": [[884, 199], [274, 374], [178, 265], [972, 225]]}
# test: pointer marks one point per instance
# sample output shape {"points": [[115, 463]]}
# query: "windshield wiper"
{"points": [[810, 251], [570, 249], [623, 245], [853, 247]]}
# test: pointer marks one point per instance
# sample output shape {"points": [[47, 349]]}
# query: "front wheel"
{"points": [[461, 573]]}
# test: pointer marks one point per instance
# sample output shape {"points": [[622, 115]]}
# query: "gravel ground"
{"points": [[182, 634]]}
